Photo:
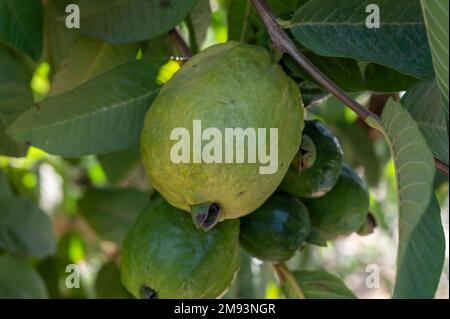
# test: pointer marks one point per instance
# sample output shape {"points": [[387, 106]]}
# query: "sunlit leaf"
{"points": [[102, 115]]}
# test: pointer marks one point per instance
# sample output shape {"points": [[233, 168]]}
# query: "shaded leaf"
{"points": [[5, 188], [89, 58], [108, 284], [435, 13], [128, 21], [116, 165], [19, 281], [58, 39], [201, 19], [15, 98], [421, 259], [425, 106], [111, 212], [21, 26], [104, 114], [25, 229], [338, 29]]}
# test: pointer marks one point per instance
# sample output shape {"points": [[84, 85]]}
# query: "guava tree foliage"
{"points": [[77, 79]]}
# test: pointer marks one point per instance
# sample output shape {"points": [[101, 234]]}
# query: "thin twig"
{"points": [[282, 42], [441, 166], [179, 43]]}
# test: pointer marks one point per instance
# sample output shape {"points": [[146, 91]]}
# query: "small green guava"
{"points": [[342, 210], [165, 256], [226, 88], [277, 229], [315, 169]]}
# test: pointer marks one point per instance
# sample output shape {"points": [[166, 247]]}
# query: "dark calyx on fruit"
{"points": [[315, 169]]}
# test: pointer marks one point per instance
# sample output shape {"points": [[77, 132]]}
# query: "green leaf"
{"points": [[421, 257], [108, 284], [112, 211], [102, 115], [353, 76], [414, 168], [15, 98], [21, 26], [57, 37], [425, 106], [319, 284], [25, 229], [19, 281], [338, 29], [116, 165], [128, 21], [5, 188], [89, 58], [435, 13]]}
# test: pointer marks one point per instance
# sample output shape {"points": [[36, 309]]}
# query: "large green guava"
{"points": [[315, 169], [227, 86], [342, 210], [165, 256], [277, 229]]}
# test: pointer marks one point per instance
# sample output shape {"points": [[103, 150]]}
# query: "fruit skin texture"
{"points": [[277, 229], [165, 252], [231, 85], [344, 209], [318, 179]]}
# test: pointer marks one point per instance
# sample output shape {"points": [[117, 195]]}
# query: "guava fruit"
{"points": [[315, 169], [342, 210], [277, 229], [227, 86], [165, 256]]}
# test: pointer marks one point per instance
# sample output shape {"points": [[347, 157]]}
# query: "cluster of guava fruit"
{"points": [[186, 244]]}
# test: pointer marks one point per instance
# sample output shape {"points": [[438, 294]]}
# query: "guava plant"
{"points": [[168, 148]]}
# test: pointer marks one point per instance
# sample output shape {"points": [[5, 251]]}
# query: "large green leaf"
{"points": [[104, 114], [338, 28], [127, 21], [421, 259], [354, 76], [112, 211], [15, 98], [425, 106], [88, 58], [24, 229], [19, 281], [21, 26], [319, 284], [436, 20], [414, 168]]}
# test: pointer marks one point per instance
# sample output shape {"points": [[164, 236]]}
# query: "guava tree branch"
{"points": [[180, 44], [282, 42]]}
